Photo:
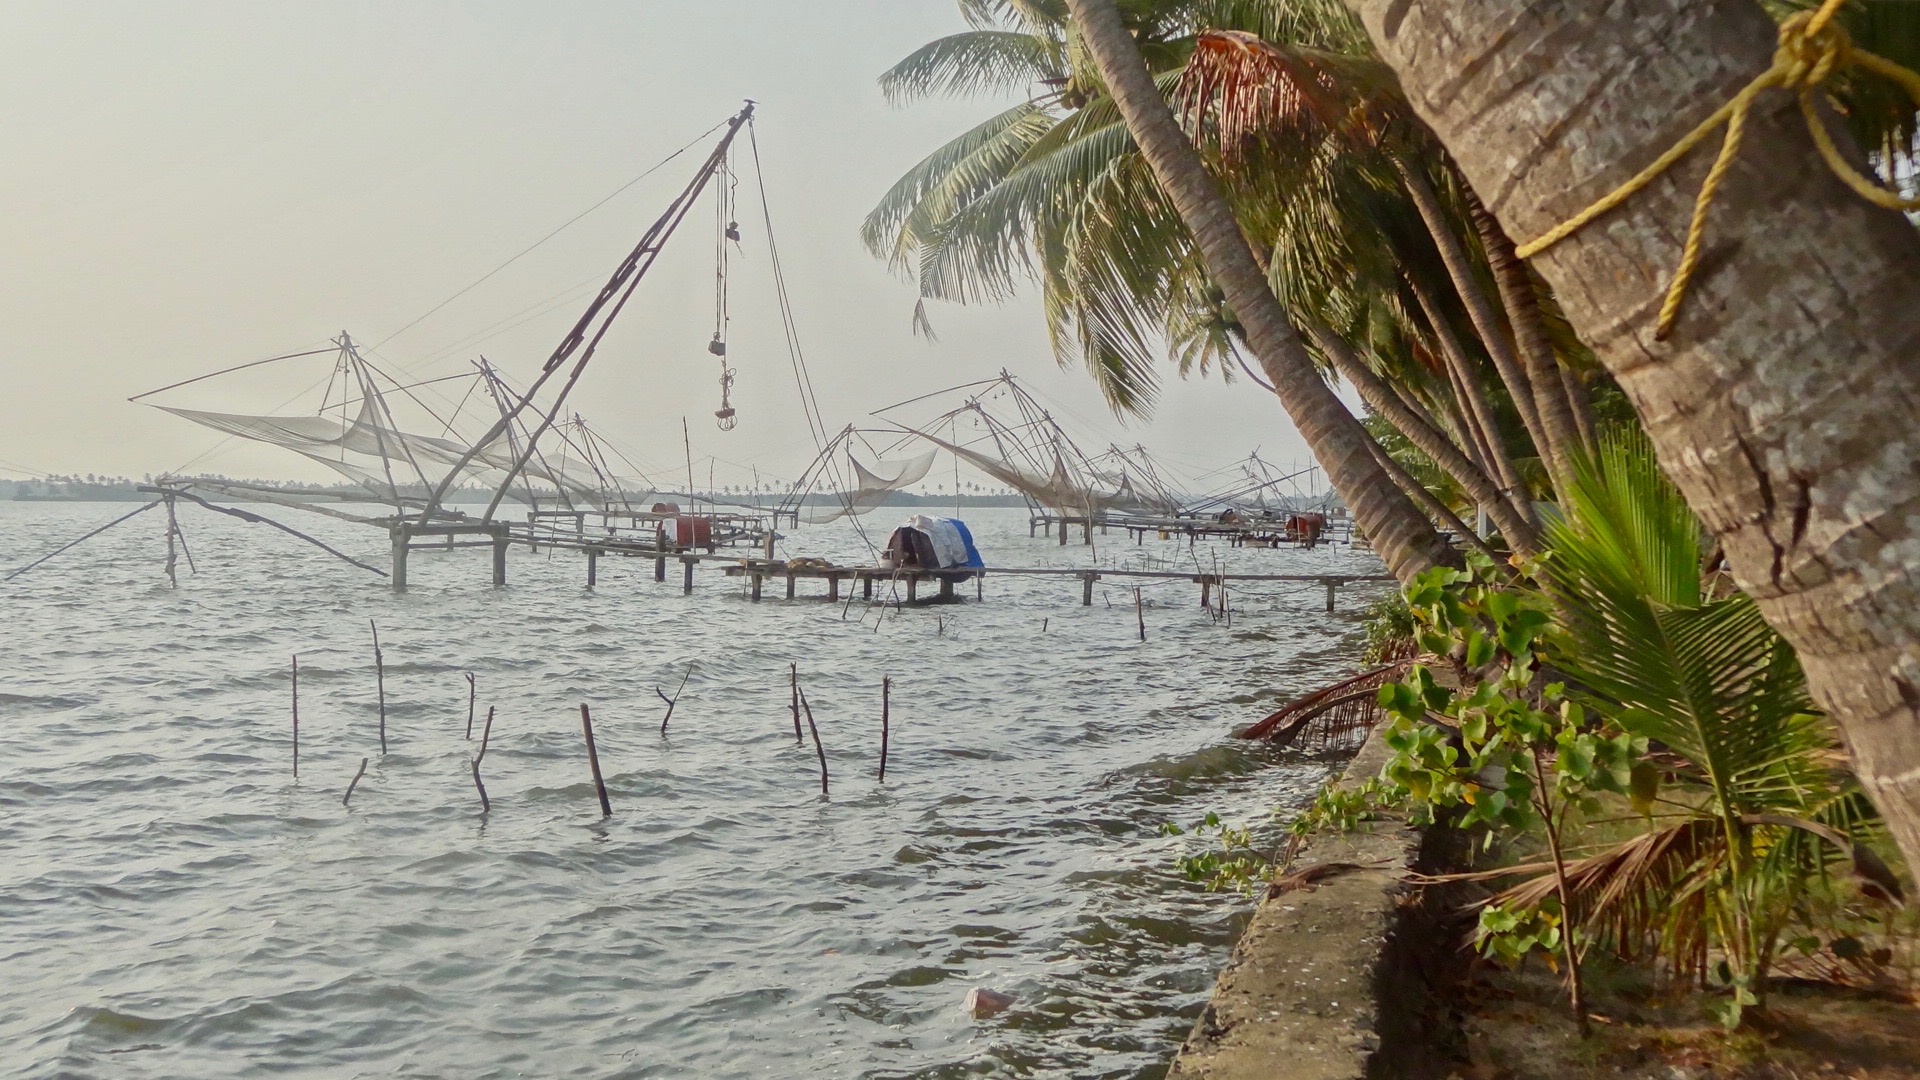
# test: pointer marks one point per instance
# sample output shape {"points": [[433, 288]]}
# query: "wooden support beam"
{"points": [[913, 587], [789, 584], [500, 558], [757, 579], [946, 588], [400, 546], [593, 567], [1086, 588], [1330, 587], [687, 563], [866, 586], [833, 587]]}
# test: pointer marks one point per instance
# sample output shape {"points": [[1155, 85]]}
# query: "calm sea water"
{"points": [[174, 903]]}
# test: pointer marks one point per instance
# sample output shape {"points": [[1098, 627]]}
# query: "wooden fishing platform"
{"points": [[1250, 533]]}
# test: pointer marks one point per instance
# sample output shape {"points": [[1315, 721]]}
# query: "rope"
{"points": [[1811, 47]]}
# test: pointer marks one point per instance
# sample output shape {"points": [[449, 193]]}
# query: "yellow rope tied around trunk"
{"points": [[1811, 48]]}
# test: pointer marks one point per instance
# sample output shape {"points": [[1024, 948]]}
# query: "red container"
{"points": [[688, 531]]}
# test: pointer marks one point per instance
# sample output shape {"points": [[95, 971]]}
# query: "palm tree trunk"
{"points": [[1511, 522], [1402, 535], [1478, 407], [1785, 403], [1431, 503], [1552, 403], [1580, 403], [1453, 255]]}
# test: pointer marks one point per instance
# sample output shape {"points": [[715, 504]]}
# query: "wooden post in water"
{"points": [[172, 527], [659, 551], [593, 567], [401, 545], [1139, 613], [470, 690], [380, 685], [1206, 592], [1086, 588], [1330, 587], [500, 558], [757, 579], [593, 761], [296, 716], [886, 690], [789, 584], [686, 579]]}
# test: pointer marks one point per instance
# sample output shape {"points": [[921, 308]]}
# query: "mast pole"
{"points": [[621, 285]]}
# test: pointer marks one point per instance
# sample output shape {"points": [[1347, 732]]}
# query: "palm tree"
{"points": [[1056, 187], [1402, 535], [1784, 402]]}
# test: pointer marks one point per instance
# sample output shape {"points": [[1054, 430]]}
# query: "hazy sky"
{"points": [[192, 185]]}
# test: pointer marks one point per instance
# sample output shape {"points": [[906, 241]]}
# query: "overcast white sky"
{"points": [[188, 186]]}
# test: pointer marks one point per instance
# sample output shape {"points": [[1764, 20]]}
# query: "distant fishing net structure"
{"points": [[354, 433], [837, 485], [1001, 429], [1331, 717]]}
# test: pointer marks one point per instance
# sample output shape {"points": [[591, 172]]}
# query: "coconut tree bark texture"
{"points": [[1402, 535], [1786, 403]]}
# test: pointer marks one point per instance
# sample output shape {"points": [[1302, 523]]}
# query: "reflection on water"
{"points": [[176, 905]]}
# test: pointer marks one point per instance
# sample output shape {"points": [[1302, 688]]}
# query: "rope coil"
{"points": [[1811, 48]]}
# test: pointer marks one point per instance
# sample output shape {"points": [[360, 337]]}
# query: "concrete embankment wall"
{"points": [[1330, 980]]}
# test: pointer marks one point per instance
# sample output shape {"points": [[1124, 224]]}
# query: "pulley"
{"points": [[716, 346]]}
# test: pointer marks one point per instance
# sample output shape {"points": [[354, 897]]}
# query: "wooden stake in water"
{"points": [[485, 734], [886, 691], [355, 782], [593, 761], [380, 685], [296, 716], [1139, 613], [793, 682], [470, 688], [817, 748]]}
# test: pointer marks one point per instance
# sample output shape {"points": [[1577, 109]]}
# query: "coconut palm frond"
{"points": [[974, 62], [949, 178], [982, 250], [1032, 16], [1632, 896], [1707, 678], [1256, 91], [1324, 24]]}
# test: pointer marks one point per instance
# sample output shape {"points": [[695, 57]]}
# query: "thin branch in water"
{"points": [[354, 783], [674, 700], [380, 685], [886, 692], [485, 734], [793, 682], [470, 691], [817, 748], [296, 716]]}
